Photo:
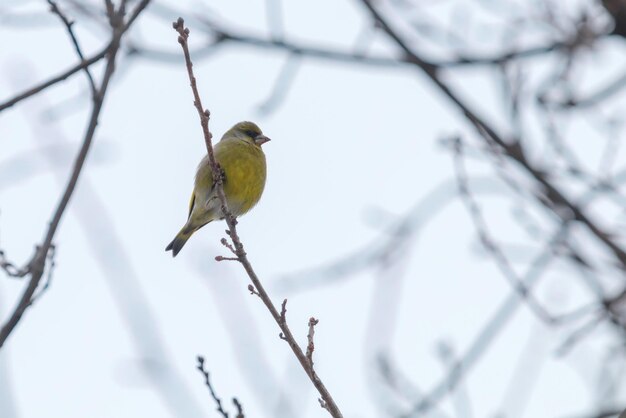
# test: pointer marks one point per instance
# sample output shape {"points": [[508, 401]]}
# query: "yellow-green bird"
{"points": [[242, 161]]}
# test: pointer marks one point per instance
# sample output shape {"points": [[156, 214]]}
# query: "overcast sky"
{"points": [[353, 149]]}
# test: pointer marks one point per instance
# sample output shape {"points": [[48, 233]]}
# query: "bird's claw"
{"points": [[222, 173]]}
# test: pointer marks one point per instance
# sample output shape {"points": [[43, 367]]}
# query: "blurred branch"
{"points": [[326, 400], [609, 413], [283, 82], [487, 241], [217, 400], [461, 399], [37, 264], [54, 80], [551, 196], [391, 240], [329, 53], [221, 35], [603, 93], [491, 330]]}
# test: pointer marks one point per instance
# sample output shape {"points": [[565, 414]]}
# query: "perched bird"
{"points": [[242, 162]]}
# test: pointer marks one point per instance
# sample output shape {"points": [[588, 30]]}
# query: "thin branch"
{"points": [[239, 408], [11, 269], [311, 344], [257, 287], [76, 68], [320, 52], [603, 93], [488, 242], [68, 25], [207, 382], [54, 80], [37, 264]]}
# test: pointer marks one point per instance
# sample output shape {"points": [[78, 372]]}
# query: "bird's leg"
{"points": [[213, 196], [222, 173]]}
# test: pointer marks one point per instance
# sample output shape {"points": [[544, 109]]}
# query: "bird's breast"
{"points": [[245, 169]]}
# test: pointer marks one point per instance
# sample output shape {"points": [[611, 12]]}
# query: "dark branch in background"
{"points": [[68, 25], [37, 264], [551, 197], [218, 401], [487, 241], [326, 400], [603, 93], [239, 408], [220, 35]]}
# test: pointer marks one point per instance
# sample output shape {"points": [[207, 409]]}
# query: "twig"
{"points": [[226, 244], [311, 345], [68, 25], [239, 408], [204, 114], [11, 269], [222, 258], [37, 264], [487, 241], [207, 382]]}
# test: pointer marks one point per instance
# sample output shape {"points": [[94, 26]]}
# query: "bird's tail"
{"points": [[177, 243], [180, 239]]}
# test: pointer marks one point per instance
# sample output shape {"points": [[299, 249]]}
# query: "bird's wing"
{"points": [[191, 203]]}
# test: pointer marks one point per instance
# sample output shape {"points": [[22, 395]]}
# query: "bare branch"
{"points": [[256, 286], [207, 382], [488, 243], [68, 25], [54, 80], [239, 408], [311, 345], [37, 264]]}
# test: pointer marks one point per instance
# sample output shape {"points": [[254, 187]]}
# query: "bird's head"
{"points": [[248, 131]]}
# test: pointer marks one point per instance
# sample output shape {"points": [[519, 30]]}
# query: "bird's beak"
{"points": [[261, 139]]}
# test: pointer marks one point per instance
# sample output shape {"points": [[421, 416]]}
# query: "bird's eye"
{"points": [[251, 134]]}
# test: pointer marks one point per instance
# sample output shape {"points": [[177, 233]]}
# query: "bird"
{"points": [[244, 171]]}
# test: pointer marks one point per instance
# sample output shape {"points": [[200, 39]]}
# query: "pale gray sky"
{"points": [[352, 148]]}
